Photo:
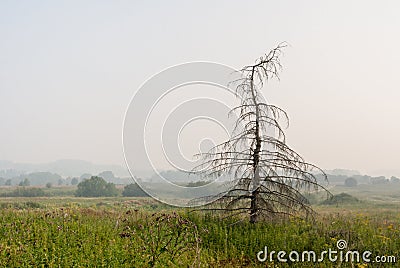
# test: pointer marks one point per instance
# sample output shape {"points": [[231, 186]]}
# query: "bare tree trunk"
{"points": [[267, 183], [254, 206]]}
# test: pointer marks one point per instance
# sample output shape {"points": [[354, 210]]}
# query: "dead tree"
{"points": [[268, 179]]}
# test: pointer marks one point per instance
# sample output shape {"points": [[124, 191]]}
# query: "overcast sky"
{"points": [[68, 70]]}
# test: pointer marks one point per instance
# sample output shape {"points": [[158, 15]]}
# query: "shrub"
{"points": [[95, 187], [25, 182], [197, 183], [25, 192], [74, 181], [163, 240], [350, 182], [133, 190], [342, 198]]}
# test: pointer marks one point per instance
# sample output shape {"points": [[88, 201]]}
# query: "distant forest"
{"points": [[15, 177]]}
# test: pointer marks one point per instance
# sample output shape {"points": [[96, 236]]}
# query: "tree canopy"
{"points": [[133, 190], [95, 187]]}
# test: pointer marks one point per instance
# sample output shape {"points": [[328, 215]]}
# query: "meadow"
{"points": [[67, 231]]}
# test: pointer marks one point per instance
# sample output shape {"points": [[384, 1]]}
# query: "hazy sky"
{"points": [[68, 70]]}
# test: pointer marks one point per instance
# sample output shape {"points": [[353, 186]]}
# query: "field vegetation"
{"points": [[69, 231]]}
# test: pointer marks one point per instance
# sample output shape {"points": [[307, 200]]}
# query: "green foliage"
{"points": [[162, 239], [342, 198], [133, 190], [74, 181], [41, 178], [20, 205], [85, 176], [25, 182], [49, 185], [108, 175], [197, 183], [379, 180], [95, 187], [32, 236], [350, 182], [25, 192]]}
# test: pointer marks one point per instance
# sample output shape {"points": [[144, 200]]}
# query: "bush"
{"points": [[25, 192], [74, 181], [342, 198], [95, 187], [350, 182], [25, 182], [197, 183], [163, 240], [133, 190], [17, 205]]}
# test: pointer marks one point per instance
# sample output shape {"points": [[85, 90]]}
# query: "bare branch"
{"points": [[268, 179]]}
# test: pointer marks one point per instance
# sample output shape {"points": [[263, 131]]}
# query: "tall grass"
{"points": [[115, 236]]}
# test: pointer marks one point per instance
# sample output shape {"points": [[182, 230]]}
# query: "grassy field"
{"points": [[139, 232]]}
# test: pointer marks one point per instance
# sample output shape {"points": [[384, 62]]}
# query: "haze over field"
{"points": [[68, 71]]}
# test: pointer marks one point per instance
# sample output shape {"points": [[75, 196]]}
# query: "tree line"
{"points": [[95, 186]]}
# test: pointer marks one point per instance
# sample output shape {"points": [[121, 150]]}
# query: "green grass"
{"points": [[126, 232], [375, 193]]}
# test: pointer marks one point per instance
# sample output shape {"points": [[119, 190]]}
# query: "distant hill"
{"points": [[386, 172], [38, 178], [64, 167], [342, 172]]}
